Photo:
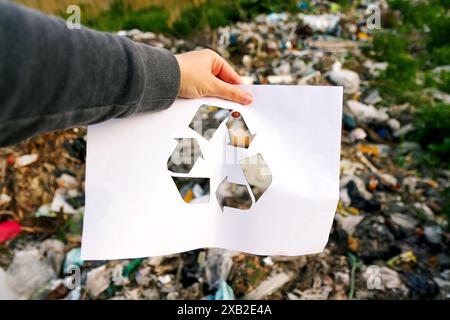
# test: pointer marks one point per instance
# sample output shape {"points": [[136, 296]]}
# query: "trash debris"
{"points": [[225, 292], [366, 113], [280, 79], [67, 181], [323, 23], [389, 279], [372, 98], [60, 201], [4, 199], [404, 258], [6, 291], [433, 234], [143, 277], [45, 211], [349, 223], [25, 160], [421, 284], [9, 229], [390, 236], [343, 77], [98, 280], [375, 68], [28, 273], [131, 267], [53, 252], [73, 258], [358, 134], [404, 221], [165, 279], [217, 266], [269, 286], [117, 276]]}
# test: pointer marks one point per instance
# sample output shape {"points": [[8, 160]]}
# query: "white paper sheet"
{"points": [[133, 208]]}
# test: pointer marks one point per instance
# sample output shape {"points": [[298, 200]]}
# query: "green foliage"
{"points": [[255, 7], [193, 18], [433, 132], [387, 45], [208, 15], [120, 17], [154, 20], [444, 82], [440, 81], [222, 14], [399, 80], [419, 13], [418, 44], [441, 55]]}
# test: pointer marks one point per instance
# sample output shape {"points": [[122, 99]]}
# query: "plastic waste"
{"points": [[45, 211], [224, 292], [4, 199], [217, 266], [394, 124], [372, 98], [66, 180], [74, 294], [347, 78], [433, 234], [358, 134], [404, 130], [165, 279], [322, 23], [98, 280], [350, 222], [29, 273], [9, 229], [366, 113], [143, 277], [423, 209], [53, 251], [404, 221], [117, 276], [132, 267], [420, 283], [280, 79], [60, 201], [25, 160], [375, 68], [6, 292], [73, 258], [269, 286], [407, 257]]}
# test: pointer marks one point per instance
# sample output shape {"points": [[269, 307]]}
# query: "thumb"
{"points": [[224, 90]]}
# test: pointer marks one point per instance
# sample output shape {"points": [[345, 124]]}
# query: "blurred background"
{"points": [[390, 237]]}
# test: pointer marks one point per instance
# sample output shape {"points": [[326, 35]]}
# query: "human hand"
{"points": [[204, 73]]}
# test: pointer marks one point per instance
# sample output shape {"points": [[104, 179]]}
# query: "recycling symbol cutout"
{"points": [[194, 190]]}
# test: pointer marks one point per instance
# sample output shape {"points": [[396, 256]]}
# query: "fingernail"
{"points": [[247, 98]]}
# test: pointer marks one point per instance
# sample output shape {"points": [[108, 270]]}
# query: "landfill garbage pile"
{"points": [[389, 238]]}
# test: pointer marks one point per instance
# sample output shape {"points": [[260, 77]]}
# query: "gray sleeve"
{"points": [[53, 78]]}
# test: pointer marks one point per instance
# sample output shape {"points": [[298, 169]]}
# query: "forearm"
{"points": [[54, 78]]}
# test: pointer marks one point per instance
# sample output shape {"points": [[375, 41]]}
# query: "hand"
{"points": [[206, 74]]}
